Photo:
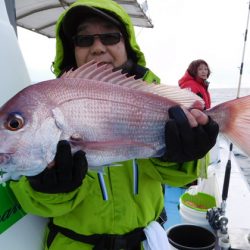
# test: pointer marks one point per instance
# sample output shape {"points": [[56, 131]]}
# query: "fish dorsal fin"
{"points": [[96, 72]]}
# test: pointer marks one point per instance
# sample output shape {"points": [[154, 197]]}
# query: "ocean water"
{"points": [[226, 94]]}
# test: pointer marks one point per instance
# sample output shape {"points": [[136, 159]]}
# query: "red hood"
{"points": [[187, 77]]}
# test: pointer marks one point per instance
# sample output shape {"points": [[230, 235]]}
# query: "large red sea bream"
{"points": [[111, 117]]}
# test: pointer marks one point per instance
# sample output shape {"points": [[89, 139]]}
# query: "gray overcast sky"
{"points": [[184, 30]]}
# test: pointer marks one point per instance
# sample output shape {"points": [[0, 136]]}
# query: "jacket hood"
{"points": [[63, 47], [187, 77]]}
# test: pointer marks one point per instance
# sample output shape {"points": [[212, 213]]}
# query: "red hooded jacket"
{"points": [[196, 85]]}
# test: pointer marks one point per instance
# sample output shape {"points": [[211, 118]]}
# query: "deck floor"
{"points": [[172, 196]]}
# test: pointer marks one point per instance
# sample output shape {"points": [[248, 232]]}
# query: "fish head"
{"points": [[28, 135]]}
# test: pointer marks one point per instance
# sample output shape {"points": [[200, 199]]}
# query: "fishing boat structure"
{"points": [[232, 194], [226, 181]]}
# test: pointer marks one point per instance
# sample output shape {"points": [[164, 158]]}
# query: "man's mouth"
{"points": [[102, 63]]}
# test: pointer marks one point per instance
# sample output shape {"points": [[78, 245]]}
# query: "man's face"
{"points": [[114, 55]]}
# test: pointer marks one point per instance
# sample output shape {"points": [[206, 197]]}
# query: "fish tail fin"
{"points": [[233, 118]]}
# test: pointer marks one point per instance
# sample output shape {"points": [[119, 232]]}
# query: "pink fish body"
{"points": [[111, 117]]}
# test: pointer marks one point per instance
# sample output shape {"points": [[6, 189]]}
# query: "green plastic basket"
{"points": [[199, 202]]}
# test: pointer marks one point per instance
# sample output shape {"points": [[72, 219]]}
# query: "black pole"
{"points": [[227, 176]]}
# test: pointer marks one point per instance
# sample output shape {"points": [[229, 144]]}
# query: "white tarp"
{"points": [[40, 15]]}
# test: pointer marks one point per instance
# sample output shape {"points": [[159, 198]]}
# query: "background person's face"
{"points": [[114, 55], [202, 71]]}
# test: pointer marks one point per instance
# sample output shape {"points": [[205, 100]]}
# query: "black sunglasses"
{"points": [[88, 40]]}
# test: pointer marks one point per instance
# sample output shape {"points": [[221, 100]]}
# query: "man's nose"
{"points": [[98, 47]]}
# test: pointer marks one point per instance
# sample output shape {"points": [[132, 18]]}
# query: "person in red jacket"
{"points": [[195, 79]]}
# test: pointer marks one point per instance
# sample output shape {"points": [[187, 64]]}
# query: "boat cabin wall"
{"points": [[14, 75]]}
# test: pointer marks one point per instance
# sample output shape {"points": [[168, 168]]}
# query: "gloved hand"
{"points": [[184, 143], [65, 176]]}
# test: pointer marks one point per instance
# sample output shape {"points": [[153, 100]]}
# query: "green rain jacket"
{"points": [[118, 199]]}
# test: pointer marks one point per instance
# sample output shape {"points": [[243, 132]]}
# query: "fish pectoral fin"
{"points": [[59, 118], [77, 140]]}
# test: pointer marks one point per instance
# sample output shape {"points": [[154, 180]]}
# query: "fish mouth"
{"points": [[5, 158]]}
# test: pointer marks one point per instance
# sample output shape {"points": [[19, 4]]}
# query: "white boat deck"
{"points": [[238, 200]]}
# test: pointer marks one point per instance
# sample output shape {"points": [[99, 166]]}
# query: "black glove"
{"points": [[184, 143], [65, 176]]}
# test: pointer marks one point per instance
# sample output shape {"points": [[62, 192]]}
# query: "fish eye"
{"points": [[14, 122]]}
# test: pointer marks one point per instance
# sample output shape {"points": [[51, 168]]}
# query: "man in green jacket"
{"points": [[110, 208]]}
